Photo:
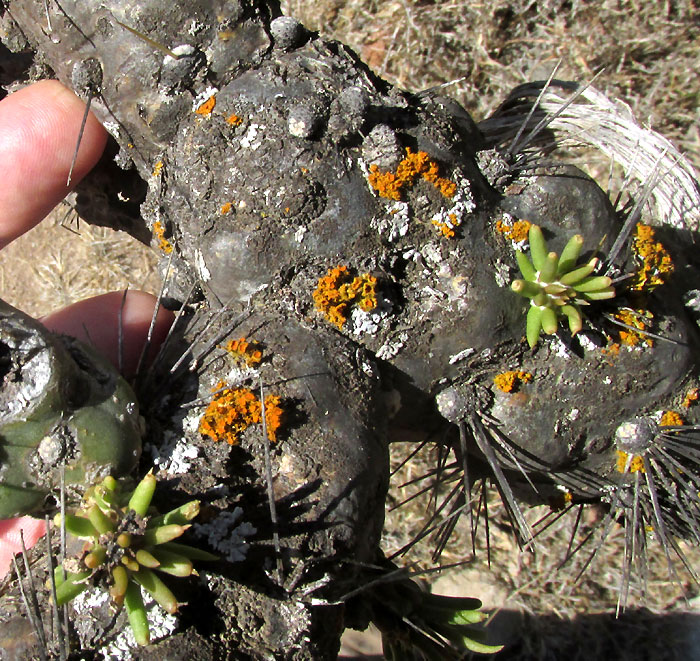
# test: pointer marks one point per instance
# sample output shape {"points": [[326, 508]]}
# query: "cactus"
{"points": [[125, 545], [62, 405], [557, 286]]}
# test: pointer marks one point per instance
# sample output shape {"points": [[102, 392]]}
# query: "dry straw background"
{"points": [[650, 53]]}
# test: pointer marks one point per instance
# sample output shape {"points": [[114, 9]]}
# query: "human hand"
{"points": [[38, 130]]}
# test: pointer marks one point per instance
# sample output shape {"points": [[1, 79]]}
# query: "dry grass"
{"points": [[650, 50], [60, 262], [564, 616]]}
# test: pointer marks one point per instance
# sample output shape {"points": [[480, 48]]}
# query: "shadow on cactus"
{"points": [[125, 545], [557, 286]]}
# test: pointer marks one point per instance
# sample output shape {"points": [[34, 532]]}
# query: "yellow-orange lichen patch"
{"points": [[233, 410], [337, 291], [511, 381], [691, 397], [205, 109], [158, 168], [159, 233], [249, 351], [612, 350], [671, 419], [629, 463], [234, 120], [274, 415], [516, 232], [636, 319], [225, 208], [414, 165], [446, 229], [655, 264]]}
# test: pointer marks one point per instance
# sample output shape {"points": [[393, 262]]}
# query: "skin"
{"points": [[39, 126]]}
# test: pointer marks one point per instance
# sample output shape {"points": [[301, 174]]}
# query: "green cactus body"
{"points": [[60, 403]]}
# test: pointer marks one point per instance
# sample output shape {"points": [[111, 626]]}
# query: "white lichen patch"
{"points": [[226, 535], [182, 49], [502, 273], [174, 455], [586, 342], [364, 323], [241, 373], [112, 128], [462, 205], [195, 27], [201, 266], [392, 346], [432, 253], [461, 355], [361, 322], [393, 222], [253, 138], [299, 234], [558, 347], [122, 646]]}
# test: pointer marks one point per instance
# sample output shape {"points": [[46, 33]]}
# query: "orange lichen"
{"points": [[444, 228], [671, 419], [274, 415], [656, 265], [337, 291], [249, 351], [233, 410], [691, 397], [613, 349], [636, 319], [636, 463], [157, 168], [159, 233], [414, 165], [516, 232], [511, 381], [234, 120], [205, 109], [225, 208], [448, 227]]}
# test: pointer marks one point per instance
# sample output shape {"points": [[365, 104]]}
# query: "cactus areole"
{"points": [[63, 408]]}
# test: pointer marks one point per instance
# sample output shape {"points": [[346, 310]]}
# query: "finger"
{"points": [[39, 128], [96, 321], [10, 540]]}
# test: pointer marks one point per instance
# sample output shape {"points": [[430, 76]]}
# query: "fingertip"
{"points": [[11, 540], [96, 321], [39, 127]]}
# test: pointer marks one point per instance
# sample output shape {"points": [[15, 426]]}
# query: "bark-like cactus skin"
{"points": [[62, 404]]}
